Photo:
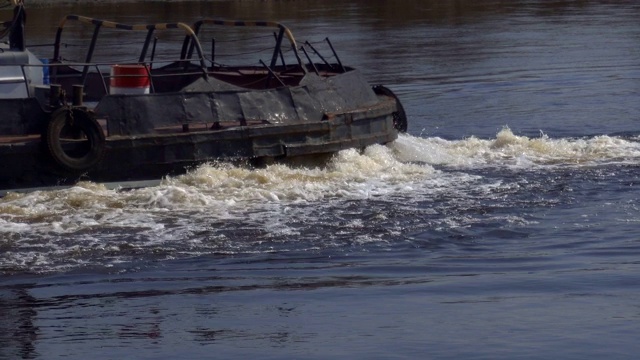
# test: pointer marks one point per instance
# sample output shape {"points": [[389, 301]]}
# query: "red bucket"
{"points": [[129, 79]]}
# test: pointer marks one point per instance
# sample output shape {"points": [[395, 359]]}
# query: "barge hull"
{"points": [[28, 164]]}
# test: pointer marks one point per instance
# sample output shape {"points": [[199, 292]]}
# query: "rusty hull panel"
{"points": [[153, 156], [309, 102], [358, 129], [149, 136]]}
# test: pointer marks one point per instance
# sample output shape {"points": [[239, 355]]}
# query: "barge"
{"points": [[123, 121]]}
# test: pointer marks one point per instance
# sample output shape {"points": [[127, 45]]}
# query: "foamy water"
{"points": [[196, 213], [510, 150], [406, 165], [505, 227]]}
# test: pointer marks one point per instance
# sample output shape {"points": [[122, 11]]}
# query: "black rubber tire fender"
{"points": [[79, 122], [399, 116]]}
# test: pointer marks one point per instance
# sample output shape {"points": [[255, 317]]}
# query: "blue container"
{"points": [[45, 72]]}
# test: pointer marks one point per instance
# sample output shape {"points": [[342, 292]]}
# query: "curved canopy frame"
{"points": [[150, 28], [188, 46]]}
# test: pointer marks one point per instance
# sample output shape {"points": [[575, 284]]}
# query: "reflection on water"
{"points": [[387, 13], [18, 332], [358, 199]]}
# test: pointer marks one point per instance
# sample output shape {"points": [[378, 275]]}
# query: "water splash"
{"points": [[227, 209], [509, 150]]}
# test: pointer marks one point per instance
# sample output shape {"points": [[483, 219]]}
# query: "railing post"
{"points": [[78, 94], [54, 96]]}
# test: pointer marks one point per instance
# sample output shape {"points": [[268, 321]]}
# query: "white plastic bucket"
{"points": [[129, 79]]}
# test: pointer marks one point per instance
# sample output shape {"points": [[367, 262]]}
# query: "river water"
{"points": [[504, 225]]}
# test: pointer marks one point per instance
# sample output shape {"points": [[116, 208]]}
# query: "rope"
{"points": [[251, 23], [246, 53], [244, 39], [316, 42]]}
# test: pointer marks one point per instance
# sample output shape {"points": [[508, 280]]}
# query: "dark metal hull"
{"points": [[118, 122], [28, 164]]}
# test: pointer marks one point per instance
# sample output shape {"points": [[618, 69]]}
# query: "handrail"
{"points": [[95, 65], [150, 28], [26, 81], [247, 23], [187, 48]]}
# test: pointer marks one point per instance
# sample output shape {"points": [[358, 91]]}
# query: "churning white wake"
{"points": [[39, 227], [406, 165], [509, 150]]}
